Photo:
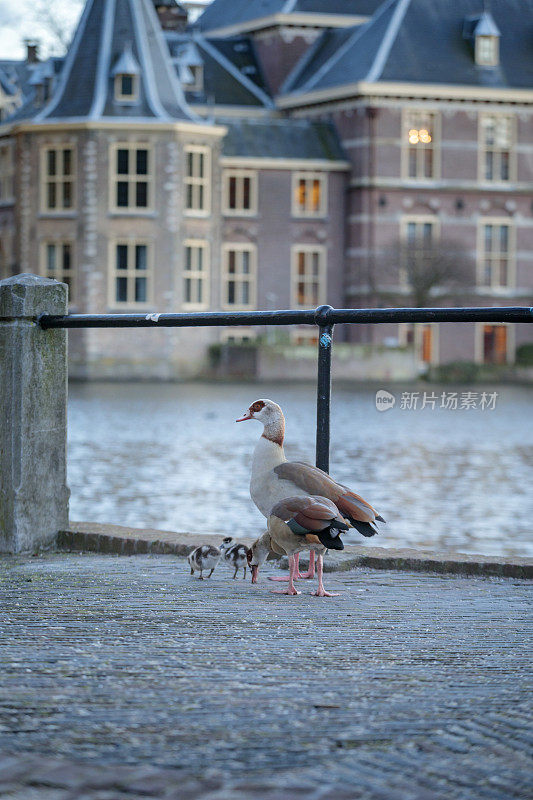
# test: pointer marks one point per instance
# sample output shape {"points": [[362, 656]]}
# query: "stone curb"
{"points": [[119, 540]]}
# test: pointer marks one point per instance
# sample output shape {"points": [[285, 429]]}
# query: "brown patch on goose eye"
{"points": [[257, 406]]}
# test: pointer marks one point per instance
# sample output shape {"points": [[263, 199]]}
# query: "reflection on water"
{"points": [[170, 456]]}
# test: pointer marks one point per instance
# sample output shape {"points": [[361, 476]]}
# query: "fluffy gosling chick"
{"points": [[204, 557], [235, 554]]}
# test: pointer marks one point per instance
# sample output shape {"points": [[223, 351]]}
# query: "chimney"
{"points": [[32, 48]]}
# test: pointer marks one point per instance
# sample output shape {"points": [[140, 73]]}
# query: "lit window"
{"points": [[496, 142], [308, 276], [197, 170], [6, 172], [495, 265], [240, 192], [57, 263], [238, 276], [131, 181], [131, 274], [196, 274], [419, 144], [309, 196], [57, 186]]}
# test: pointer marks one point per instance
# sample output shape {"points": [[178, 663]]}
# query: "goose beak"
{"points": [[246, 415], [255, 570]]}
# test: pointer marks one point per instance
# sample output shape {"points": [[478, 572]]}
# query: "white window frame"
{"points": [[239, 175], [126, 98], [130, 273], [296, 278], [305, 209], [238, 276], [7, 172], [421, 119], [195, 274], [59, 273], [416, 219], [487, 51], [496, 255], [131, 178], [496, 150], [193, 183], [58, 180]]}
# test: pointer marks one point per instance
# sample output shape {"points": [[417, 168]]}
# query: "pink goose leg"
{"points": [[297, 575], [291, 589], [321, 592]]}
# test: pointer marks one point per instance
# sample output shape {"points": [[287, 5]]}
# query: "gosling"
{"points": [[204, 557], [235, 554]]}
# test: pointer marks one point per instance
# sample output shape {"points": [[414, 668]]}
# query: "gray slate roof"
{"points": [[231, 73], [282, 138], [416, 41], [223, 13], [85, 88]]}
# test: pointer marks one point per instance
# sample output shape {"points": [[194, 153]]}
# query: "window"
{"points": [[308, 276], [126, 87], [304, 336], [196, 274], [309, 194], [238, 336], [131, 181], [418, 240], [487, 51], [238, 276], [197, 170], [495, 147], [240, 192], [6, 172], [419, 145], [423, 337], [496, 263], [494, 343], [57, 187], [131, 274], [57, 262]]}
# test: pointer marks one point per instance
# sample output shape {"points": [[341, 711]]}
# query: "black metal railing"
{"points": [[325, 317]]}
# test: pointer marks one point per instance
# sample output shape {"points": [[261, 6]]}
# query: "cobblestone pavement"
{"points": [[125, 678]]}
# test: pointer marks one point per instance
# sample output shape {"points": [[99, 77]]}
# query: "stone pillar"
{"points": [[33, 426]]}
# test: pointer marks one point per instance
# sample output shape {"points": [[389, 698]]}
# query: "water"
{"points": [[169, 456]]}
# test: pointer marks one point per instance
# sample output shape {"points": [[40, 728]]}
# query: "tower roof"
{"points": [[109, 33]]}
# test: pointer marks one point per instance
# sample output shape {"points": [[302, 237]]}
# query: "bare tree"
{"points": [[425, 269], [51, 16]]}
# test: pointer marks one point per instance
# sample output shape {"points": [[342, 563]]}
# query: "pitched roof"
{"points": [[225, 13], [231, 73], [282, 138], [107, 30], [414, 41]]}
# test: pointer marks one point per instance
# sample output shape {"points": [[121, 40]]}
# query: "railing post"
{"points": [[33, 398], [323, 397]]}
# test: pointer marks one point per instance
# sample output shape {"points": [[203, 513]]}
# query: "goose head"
{"points": [[270, 414], [258, 554]]}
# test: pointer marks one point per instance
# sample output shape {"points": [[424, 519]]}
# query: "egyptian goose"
{"points": [[296, 524], [235, 554], [204, 557], [274, 478]]}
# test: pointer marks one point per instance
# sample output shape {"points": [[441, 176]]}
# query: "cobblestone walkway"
{"points": [[125, 678]]}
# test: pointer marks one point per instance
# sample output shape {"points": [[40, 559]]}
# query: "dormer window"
{"points": [[484, 36], [487, 51], [190, 68], [126, 74], [125, 86], [197, 78]]}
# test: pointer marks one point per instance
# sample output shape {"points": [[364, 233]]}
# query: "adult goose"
{"points": [[274, 479]]}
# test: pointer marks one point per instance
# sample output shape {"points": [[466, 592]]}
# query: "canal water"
{"points": [[456, 474]]}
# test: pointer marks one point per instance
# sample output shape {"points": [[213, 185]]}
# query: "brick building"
{"points": [[280, 153]]}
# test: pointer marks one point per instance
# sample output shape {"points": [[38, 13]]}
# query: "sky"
{"points": [[21, 19]]}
